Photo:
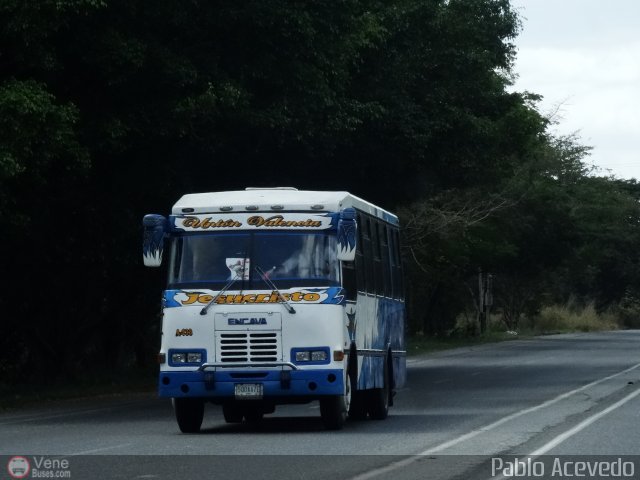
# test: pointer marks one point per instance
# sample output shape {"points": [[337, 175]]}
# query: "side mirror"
{"points": [[347, 234], [153, 242]]}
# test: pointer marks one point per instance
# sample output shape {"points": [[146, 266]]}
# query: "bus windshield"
{"points": [[290, 260]]}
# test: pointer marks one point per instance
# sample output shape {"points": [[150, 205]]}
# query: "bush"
{"points": [[629, 309], [466, 326], [568, 318]]}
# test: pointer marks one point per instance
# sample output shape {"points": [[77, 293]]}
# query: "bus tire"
{"points": [[333, 411], [358, 405], [189, 414], [379, 398], [358, 408]]}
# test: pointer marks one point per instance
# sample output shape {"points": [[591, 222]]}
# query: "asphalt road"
{"points": [[559, 395]]}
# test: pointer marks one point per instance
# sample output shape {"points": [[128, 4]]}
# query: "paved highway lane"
{"points": [[514, 397]]}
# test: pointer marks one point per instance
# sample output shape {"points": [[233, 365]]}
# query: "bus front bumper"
{"points": [[220, 383]]}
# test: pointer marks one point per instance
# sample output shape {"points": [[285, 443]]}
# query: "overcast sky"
{"points": [[583, 56]]}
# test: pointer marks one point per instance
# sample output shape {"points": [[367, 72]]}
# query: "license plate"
{"points": [[249, 391]]}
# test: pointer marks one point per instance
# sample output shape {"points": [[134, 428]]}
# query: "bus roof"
{"points": [[283, 199]]}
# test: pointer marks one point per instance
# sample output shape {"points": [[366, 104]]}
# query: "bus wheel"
{"points": [[333, 412], [379, 399], [333, 409], [358, 406], [232, 413], [189, 414]]}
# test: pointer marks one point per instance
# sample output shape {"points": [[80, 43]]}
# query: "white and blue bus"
{"points": [[279, 296]]}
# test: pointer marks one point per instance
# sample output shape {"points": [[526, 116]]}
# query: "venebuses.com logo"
{"points": [[18, 467], [38, 467]]}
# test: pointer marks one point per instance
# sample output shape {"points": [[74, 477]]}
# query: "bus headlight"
{"points": [[312, 355], [318, 356], [194, 357], [303, 356], [178, 358], [187, 357]]}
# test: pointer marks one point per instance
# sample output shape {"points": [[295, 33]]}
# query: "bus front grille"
{"points": [[248, 347]]}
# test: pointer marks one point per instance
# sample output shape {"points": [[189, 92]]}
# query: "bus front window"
{"points": [[207, 259], [297, 259], [290, 259]]}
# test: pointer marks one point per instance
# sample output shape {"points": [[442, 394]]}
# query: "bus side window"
{"points": [[176, 260], [369, 275], [359, 260], [398, 281], [349, 281], [377, 258], [386, 260]]}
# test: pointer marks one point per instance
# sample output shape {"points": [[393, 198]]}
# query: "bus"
{"points": [[279, 296]]}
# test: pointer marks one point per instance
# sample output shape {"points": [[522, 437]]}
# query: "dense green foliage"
{"points": [[110, 109]]}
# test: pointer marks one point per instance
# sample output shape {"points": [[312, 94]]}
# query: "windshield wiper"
{"points": [[214, 299], [273, 287]]}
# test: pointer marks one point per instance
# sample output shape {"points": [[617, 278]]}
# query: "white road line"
{"points": [[474, 433], [44, 416], [570, 433], [508, 418], [13, 418], [584, 424], [96, 450]]}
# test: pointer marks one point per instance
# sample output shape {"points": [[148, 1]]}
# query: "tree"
{"points": [[109, 110]]}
